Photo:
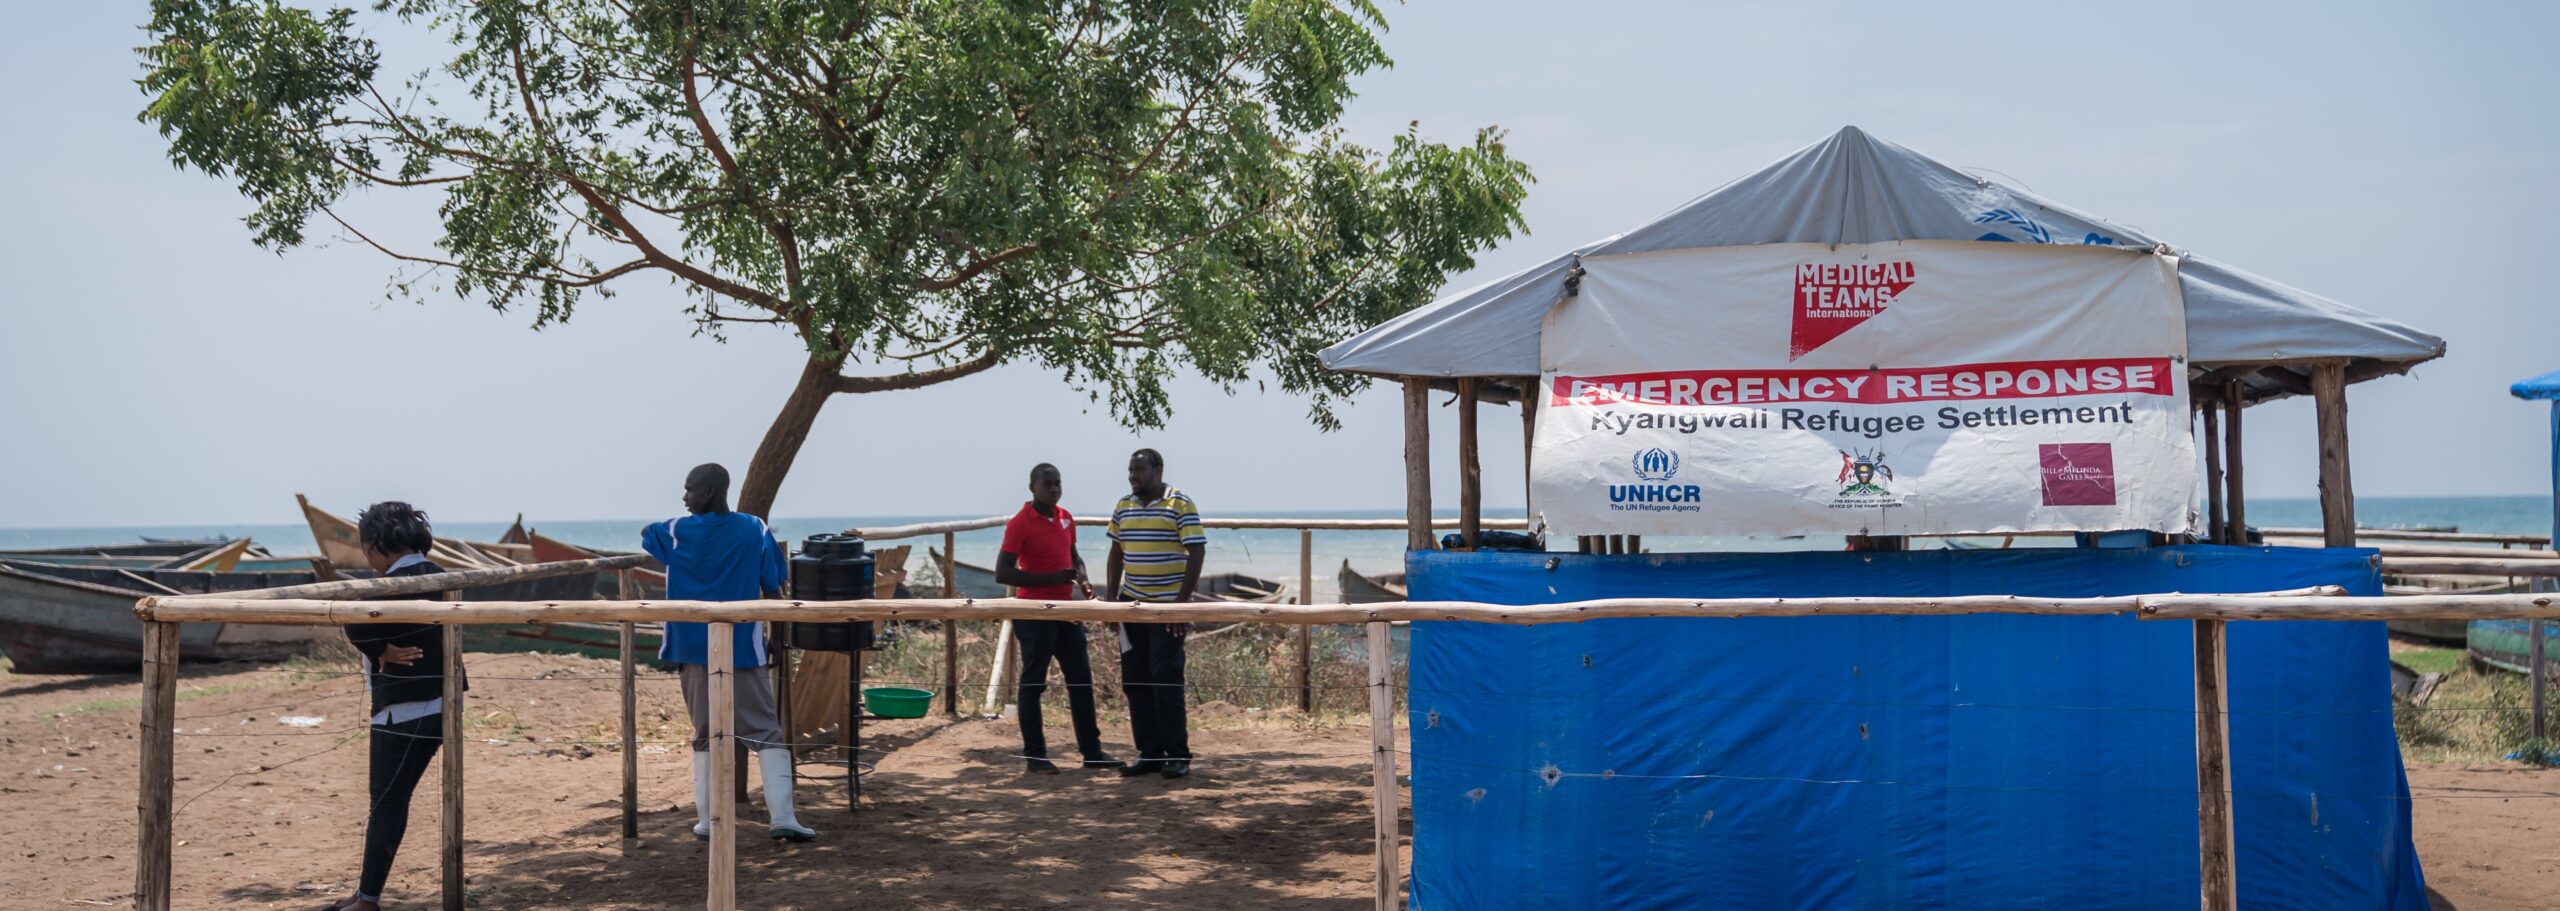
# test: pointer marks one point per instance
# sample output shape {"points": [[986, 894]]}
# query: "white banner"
{"points": [[1920, 387]]}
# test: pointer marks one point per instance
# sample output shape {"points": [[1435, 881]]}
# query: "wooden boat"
{"points": [[340, 545], [980, 582], [52, 621], [2451, 632], [652, 581], [1361, 588]]}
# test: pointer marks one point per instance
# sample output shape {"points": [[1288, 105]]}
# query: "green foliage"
{"points": [[1109, 189]]}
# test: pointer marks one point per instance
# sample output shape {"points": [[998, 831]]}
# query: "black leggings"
{"points": [[401, 754]]}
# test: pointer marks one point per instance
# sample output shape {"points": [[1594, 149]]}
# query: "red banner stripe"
{"points": [[1880, 386]]}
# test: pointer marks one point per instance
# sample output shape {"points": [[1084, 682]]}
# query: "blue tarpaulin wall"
{"points": [[1968, 762]]}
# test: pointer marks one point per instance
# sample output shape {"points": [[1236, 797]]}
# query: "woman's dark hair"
{"points": [[393, 527]]}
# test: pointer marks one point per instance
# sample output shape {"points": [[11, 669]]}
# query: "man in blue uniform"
{"points": [[713, 554]]}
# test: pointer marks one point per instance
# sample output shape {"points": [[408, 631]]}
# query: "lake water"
{"points": [[1273, 554]]}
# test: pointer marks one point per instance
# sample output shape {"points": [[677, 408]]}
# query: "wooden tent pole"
{"points": [[453, 709], [1528, 447], [2236, 498], [1470, 468], [2337, 484], [723, 875], [1417, 464], [151, 859], [2217, 856], [2210, 440], [1382, 742], [1306, 634], [630, 731]]}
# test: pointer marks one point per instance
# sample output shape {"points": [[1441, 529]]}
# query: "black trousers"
{"points": [[1042, 641], [1152, 673], [401, 754]]}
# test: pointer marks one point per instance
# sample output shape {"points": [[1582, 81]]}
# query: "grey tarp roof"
{"points": [[1854, 188]]}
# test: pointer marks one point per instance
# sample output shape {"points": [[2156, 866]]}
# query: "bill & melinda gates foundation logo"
{"points": [[1835, 298], [1655, 465], [2077, 474]]}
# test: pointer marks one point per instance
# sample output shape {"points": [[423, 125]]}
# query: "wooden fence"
{"points": [[316, 604]]}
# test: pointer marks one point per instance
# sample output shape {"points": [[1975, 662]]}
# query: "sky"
{"points": [[157, 368]]}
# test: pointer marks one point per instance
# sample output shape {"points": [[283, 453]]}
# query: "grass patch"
{"points": [[2478, 714], [2431, 660]]}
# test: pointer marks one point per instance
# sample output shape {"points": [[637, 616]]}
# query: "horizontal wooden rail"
{"points": [[2394, 534], [2456, 551], [430, 583], [2441, 566], [923, 529], [210, 609], [2409, 607]]}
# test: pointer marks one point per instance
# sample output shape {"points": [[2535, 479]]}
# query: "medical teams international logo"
{"points": [[1655, 465], [1835, 298]]}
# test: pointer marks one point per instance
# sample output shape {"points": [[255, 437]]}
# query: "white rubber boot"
{"points": [[702, 795], [775, 766]]}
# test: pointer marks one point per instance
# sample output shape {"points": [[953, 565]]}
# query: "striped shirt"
{"points": [[1153, 538]]}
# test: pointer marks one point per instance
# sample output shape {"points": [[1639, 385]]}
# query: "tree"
{"points": [[918, 190]]}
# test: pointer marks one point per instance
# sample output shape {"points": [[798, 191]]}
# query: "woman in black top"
{"points": [[404, 672]]}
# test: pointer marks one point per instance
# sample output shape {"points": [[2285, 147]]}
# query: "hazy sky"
{"points": [[157, 368]]}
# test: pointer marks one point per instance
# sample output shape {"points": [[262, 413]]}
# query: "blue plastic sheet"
{"points": [[1980, 761]]}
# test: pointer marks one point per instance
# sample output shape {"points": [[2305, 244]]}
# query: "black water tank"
{"points": [[832, 568]]}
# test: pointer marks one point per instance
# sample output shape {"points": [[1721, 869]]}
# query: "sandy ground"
{"points": [[271, 814]]}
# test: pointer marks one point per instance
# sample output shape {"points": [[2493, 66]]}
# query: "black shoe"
{"points": [[1179, 768], [1099, 761], [1039, 767], [1141, 767]]}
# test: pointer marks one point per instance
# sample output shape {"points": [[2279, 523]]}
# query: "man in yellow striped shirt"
{"points": [[1156, 550]]}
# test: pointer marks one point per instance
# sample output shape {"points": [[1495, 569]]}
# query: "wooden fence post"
{"points": [[630, 731], [950, 631], [723, 876], [2217, 857], [453, 709], [1306, 631], [1382, 742], [151, 860]]}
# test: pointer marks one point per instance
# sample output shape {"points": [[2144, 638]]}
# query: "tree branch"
{"points": [[920, 378], [781, 232], [566, 278]]}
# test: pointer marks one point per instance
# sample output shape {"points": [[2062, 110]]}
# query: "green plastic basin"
{"points": [[897, 701]]}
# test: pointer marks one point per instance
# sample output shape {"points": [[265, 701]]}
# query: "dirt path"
{"points": [[1279, 820], [2488, 835], [272, 813]]}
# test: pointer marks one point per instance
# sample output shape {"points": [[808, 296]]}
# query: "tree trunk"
{"points": [[782, 440]]}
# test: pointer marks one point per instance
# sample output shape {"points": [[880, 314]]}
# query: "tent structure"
{"points": [[1643, 761], [1853, 188]]}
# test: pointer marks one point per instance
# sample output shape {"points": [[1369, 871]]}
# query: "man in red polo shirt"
{"points": [[1039, 560]]}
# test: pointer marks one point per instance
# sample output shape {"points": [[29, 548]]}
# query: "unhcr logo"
{"points": [[1656, 464]]}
